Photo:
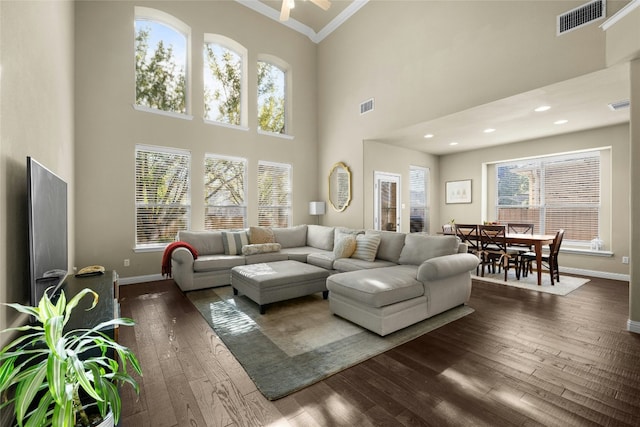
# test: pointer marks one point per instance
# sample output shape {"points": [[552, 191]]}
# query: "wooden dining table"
{"points": [[537, 241]]}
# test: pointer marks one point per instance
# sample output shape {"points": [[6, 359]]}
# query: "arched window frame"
{"points": [[158, 16], [243, 53], [288, 85]]}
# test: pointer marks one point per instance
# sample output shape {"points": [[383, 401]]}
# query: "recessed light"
{"points": [[429, 135], [453, 143], [542, 108], [489, 130], [560, 122]]}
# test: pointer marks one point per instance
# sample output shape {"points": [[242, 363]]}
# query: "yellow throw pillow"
{"points": [[345, 246]]}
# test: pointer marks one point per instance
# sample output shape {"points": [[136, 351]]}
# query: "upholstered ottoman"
{"points": [[278, 281]]}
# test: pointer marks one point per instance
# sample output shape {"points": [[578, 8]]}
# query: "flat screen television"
{"points": [[47, 210]]}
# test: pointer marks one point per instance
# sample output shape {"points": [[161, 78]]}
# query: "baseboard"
{"points": [[139, 279], [633, 326], [593, 273]]}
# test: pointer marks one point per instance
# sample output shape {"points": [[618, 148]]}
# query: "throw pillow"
{"points": [[233, 241], [344, 247], [260, 248], [366, 247], [259, 235]]}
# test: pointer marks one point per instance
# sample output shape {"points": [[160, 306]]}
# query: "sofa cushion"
{"points": [[391, 244], [366, 247], [205, 242], [352, 264], [291, 237], [217, 262], [387, 286], [321, 259], [260, 248], [301, 253], [421, 247], [233, 241], [345, 246], [320, 236], [258, 235]]}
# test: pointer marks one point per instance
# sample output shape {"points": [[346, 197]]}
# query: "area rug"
{"points": [[298, 342], [566, 285]]}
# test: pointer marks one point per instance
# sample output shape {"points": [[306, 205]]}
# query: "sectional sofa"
{"points": [[381, 280]]}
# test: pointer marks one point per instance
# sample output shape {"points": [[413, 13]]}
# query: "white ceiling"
{"points": [[583, 101]]}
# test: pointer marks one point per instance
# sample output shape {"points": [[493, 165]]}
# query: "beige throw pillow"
{"points": [[344, 247], [366, 247], [259, 235]]}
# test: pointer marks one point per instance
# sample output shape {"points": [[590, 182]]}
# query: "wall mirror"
{"points": [[339, 186]]}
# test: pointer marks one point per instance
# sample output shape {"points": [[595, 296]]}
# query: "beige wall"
{"points": [[108, 127], [36, 119]]}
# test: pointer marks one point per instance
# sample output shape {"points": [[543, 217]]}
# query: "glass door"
{"points": [[387, 201]]}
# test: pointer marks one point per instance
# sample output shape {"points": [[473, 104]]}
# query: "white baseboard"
{"points": [[593, 273], [633, 326], [139, 279]]}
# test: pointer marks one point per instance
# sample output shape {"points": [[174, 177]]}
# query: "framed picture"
{"points": [[458, 191]]}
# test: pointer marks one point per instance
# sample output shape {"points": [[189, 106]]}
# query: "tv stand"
{"points": [[108, 308]]}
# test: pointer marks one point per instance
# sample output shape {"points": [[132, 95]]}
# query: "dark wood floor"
{"points": [[522, 358]]}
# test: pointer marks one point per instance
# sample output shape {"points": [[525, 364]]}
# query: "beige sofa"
{"points": [[381, 280]]}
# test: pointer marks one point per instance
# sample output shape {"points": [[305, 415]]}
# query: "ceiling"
{"points": [[582, 101]]}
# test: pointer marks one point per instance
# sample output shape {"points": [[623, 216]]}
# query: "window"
{"points": [[274, 194], [224, 192], [161, 44], [553, 192], [162, 195], [272, 97], [418, 200], [224, 80]]}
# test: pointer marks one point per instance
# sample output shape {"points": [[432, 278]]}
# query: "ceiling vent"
{"points": [[581, 15], [366, 106], [620, 105]]}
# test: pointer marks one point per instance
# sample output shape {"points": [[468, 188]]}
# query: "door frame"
{"points": [[378, 177]]}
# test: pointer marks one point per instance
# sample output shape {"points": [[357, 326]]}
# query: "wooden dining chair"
{"points": [[495, 251], [549, 261], [468, 234], [520, 228]]}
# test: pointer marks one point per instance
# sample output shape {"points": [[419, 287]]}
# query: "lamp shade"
{"points": [[317, 208]]}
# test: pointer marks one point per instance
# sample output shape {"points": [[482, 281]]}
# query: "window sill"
{"points": [[162, 113], [149, 248], [588, 252], [276, 135], [225, 125]]}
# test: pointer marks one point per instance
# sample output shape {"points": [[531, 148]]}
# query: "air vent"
{"points": [[620, 105], [582, 15], [366, 106]]}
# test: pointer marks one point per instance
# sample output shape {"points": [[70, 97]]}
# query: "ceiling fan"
{"points": [[287, 5]]}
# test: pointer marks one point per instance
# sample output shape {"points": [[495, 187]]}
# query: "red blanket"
{"points": [[166, 257]]}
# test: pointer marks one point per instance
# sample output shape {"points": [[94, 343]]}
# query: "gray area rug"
{"points": [[297, 342], [566, 285]]}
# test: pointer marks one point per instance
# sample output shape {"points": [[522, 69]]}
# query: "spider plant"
{"points": [[51, 377]]}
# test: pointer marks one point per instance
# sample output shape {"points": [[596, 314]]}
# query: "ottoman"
{"points": [[270, 282]]}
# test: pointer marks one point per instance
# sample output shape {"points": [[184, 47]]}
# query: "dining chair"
{"points": [[495, 250], [550, 261], [520, 228], [468, 234]]}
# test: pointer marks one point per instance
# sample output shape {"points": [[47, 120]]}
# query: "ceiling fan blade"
{"points": [[322, 4], [284, 12]]}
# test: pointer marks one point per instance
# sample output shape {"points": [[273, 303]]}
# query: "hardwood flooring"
{"points": [[522, 358]]}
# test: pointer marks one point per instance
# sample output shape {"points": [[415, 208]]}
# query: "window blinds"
{"points": [[225, 192], [418, 199], [274, 194], [162, 194]]}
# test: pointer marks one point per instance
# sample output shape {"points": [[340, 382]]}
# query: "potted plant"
{"points": [[54, 378]]}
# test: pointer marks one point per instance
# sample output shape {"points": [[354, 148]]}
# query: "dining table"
{"points": [[537, 241]]}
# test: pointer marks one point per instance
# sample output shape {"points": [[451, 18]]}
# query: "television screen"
{"points": [[47, 210]]}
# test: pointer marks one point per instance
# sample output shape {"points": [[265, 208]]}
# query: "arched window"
{"points": [[273, 84], [225, 81], [161, 61]]}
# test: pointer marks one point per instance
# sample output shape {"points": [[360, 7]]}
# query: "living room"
{"points": [[68, 91]]}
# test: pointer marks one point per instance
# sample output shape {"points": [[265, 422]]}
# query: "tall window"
{"points": [[224, 76], [224, 192], [161, 43], [418, 200], [271, 98], [274, 194], [552, 193], [162, 194]]}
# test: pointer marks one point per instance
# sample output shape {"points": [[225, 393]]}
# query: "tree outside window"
{"points": [[271, 98], [222, 84], [274, 194], [225, 192]]}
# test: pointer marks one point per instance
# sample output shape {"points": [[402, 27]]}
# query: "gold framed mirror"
{"points": [[339, 186]]}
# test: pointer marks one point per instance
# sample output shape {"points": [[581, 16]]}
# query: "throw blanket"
{"points": [[166, 257]]}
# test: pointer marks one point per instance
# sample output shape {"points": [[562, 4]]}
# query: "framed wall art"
{"points": [[458, 191]]}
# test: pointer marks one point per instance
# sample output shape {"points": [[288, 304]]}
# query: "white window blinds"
{"points": [[552, 193], [224, 192], [419, 209], [274, 194], [162, 194]]}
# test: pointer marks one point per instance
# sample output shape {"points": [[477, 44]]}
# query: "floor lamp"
{"points": [[317, 209]]}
